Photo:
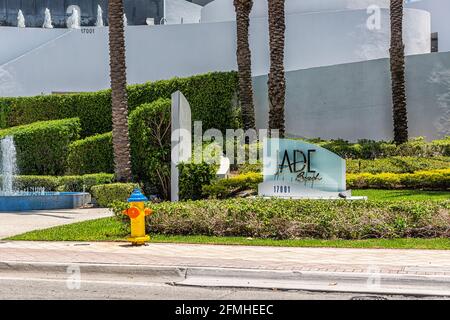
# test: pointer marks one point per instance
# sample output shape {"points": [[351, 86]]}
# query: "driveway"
{"points": [[14, 223]]}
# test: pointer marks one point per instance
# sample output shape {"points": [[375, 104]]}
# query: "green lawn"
{"points": [[394, 195], [108, 229]]}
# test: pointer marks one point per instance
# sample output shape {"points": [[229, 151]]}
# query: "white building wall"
{"points": [[440, 21], [78, 60], [353, 101]]}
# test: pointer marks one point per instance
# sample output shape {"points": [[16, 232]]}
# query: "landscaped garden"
{"points": [[64, 143]]}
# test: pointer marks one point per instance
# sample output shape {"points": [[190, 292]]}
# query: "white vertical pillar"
{"points": [[181, 139]]}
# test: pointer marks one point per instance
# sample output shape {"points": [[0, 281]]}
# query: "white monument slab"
{"points": [[181, 139], [297, 169]]}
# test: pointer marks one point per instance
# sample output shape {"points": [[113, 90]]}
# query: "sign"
{"points": [[298, 169]]}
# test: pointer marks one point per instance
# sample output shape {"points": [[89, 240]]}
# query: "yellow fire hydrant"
{"points": [[137, 213]]}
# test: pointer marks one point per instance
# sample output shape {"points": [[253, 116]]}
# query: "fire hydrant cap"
{"points": [[137, 196]]}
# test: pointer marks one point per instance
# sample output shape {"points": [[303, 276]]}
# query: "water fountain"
{"points": [[74, 22], [47, 20], [20, 20], [36, 198], [125, 20], [99, 22]]}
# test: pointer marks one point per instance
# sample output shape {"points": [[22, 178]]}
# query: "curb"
{"points": [[370, 283]]}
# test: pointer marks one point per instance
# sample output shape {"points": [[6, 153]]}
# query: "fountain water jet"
{"points": [[48, 24], [20, 20], [99, 22], [125, 20], [34, 198], [9, 167]]}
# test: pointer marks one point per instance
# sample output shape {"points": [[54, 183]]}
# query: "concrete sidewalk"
{"points": [[14, 223], [417, 272]]}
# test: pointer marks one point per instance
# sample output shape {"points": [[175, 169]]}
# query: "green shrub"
{"points": [[432, 180], [85, 182], [211, 96], [62, 183], [150, 136], [293, 219], [368, 149], [91, 155], [42, 147], [226, 188], [108, 193], [30, 183], [397, 165], [193, 177]]}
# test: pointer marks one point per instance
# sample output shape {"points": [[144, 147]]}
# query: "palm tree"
{"points": [[244, 61], [122, 159], [277, 81], [397, 59]]}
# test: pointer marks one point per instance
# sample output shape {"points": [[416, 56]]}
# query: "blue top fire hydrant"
{"points": [[137, 213]]}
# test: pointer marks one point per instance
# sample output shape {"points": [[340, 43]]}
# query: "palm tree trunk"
{"points": [[122, 159], [277, 81], [397, 59], [244, 61]]}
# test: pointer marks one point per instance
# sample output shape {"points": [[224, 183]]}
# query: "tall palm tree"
{"points": [[397, 59], [277, 81], [122, 159], [244, 61]]}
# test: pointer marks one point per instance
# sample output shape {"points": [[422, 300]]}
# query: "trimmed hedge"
{"points": [[293, 219], [64, 183], [431, 180], [42, 147], [212, 98], [108, 193], [91, 155], [397, 165], [150, 134], [368, 149]]}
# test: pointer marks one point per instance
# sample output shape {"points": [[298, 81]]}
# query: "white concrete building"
{"points": [[320, 35]]}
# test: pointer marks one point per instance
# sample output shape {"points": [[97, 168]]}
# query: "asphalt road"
{"points": [[41, 285]]}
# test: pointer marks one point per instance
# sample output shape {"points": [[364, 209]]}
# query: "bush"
{"points": [[368, 149], [85, 182], [62, 183], [193, 177], [293, 219], [397, 165], [150, 136], [431, 180], [91, 155], [42, 147], [108, 193], [30, 183], [227, 188], [212, 99]]}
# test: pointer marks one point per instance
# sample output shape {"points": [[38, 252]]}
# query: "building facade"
{"points": [[137, 11]]}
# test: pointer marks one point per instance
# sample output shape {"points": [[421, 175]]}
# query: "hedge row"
{"points": [[397, 165], [211, 96], [293, 219], [63, 183], [368, 149], [42, 147], [432, 180], [91, 155], [226, 188], [108, 193]]}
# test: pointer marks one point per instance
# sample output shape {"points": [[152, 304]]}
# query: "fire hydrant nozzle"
{"points": [[137, 213]]}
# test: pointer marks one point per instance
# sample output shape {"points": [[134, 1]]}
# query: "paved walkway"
{"points": [[400, 262], [14, 223]]}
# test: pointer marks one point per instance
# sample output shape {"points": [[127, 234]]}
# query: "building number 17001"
{"points": [[281, 189]]}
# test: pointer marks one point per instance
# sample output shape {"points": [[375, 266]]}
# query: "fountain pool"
{"points": [[12, 200]]}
